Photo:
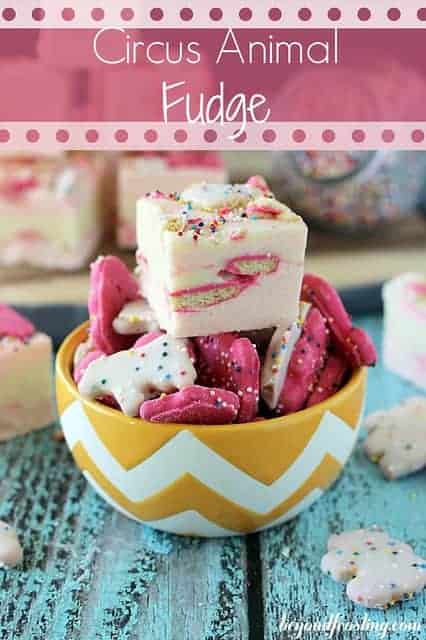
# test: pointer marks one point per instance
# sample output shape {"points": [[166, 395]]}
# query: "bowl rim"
{"points": [[64, 359]]}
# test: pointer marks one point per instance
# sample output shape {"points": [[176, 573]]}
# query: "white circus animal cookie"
{"points": [[135, 318], [274, 369], [397, 438], [162, 365], [379, 571], [11, 553]]}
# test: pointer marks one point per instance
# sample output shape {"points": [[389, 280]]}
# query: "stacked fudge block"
{"points": [[169, 172], [220, 257], [49, 213]]}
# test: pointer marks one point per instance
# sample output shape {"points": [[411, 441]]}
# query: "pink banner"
{"points": [[195, 86]]}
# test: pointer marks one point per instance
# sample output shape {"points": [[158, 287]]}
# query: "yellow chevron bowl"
{"points": [[208, 480]]}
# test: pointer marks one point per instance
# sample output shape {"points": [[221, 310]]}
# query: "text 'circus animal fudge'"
{"points": [[25, 376], [404, 338], [378, 570], [220, 257], [162, 364], [397, 438]]}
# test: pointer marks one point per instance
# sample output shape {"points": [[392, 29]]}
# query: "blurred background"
{"points": [[58, 211]]}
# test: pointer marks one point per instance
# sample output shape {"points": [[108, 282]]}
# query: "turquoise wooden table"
{"points": [[92, 574]]}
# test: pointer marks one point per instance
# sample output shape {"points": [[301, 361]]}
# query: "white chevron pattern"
{"points": [[193, 523], [186, 454]]}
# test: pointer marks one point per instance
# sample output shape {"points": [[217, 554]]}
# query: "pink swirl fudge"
{"points": [[143, 172], [219, 258], [25, 376], [48, 211], [404, 340]]}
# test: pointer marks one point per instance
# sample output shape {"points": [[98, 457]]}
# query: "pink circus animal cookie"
{"points": [[84, 362], [111, 287], [232, 363], [397, 438], [307, 360], [353, 342], [135, 318], [14, 325], [193, 405], [277, 359], [131, 377], [378, 570], [11, 553], [330, 380]]}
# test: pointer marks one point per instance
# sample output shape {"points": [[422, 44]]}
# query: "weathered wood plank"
{"points": [[293, 585], [91, 573]]}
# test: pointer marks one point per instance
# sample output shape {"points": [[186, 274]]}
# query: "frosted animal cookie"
{"points": [[211, 260], [306, 362], [397, 438], [193, 405], [11, 553], [231, 363], [378, 570], [277, 359], [404, 337], [135, 318], [330, 380], [130, 377], [111, 287], [351, 341]]}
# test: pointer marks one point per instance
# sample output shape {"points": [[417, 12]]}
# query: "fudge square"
{"points": [[220, 257], [26, 401]]}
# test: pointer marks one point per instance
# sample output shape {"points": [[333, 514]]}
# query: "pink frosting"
{"points": [[238, 282], [416, 290], [147, 338], [14, 325], [258, 182], [14, 188], [80, 369]]}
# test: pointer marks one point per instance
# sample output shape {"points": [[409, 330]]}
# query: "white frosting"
{"points": [[379, 571], [134, 376], [274, 369], [397, 438], [136, 318], [11, 553], [214, 196]]}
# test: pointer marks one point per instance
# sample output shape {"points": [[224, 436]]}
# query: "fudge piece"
{"points": [[404, 340], [220, 257], [48, 211], [26, 376], [168, 172]]}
